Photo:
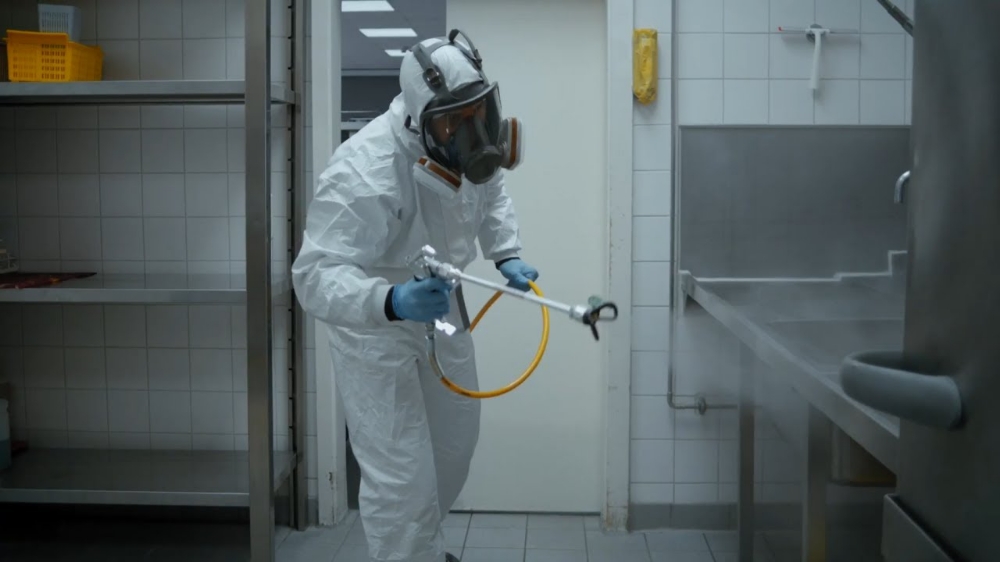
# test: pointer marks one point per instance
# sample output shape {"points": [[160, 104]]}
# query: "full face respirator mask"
{"points": [[462, 130]]}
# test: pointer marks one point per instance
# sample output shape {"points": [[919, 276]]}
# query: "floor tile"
{"points": [[703, 556], [328, 535], [783, 540], [350, 519], [106, 553], [486, 537], [617, 555], [676, 541], [499, 520], [306, 551], [599, 540], [734, 557], [722, 542], [39, 552], [203, 554], [356, 535], [352, 553], [868, 557], [281, 533], [495, 538], [493, 555], [557, 539], [541, 555], [319, 544], [456, 520], [454, 537], [789, 556], [536, 521]]}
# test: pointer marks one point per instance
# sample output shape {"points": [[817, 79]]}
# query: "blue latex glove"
{"points": [[518, 273], [422, 300]]}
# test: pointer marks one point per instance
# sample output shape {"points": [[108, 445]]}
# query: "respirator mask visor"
{"points": [[464, 132]]}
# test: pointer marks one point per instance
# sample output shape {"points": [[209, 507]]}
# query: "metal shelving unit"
{"points": [[151, 478], [124, 92], [199, 478], [145, 289]]}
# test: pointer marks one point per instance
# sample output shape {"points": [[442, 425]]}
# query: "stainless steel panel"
{"points": [[134, 92], [817, 471], [744, 309], [260, 405], [746, 410], [852, 465], [903, 538], [949, 481], [765, 201]]}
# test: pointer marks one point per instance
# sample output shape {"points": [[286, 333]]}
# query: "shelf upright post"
{"points": [[298, 201], [258, 253]]}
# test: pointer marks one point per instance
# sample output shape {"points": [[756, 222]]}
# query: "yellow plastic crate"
{"points": [[51, 57]]}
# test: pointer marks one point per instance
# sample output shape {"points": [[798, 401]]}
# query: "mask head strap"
{"points": [[432, 74]]}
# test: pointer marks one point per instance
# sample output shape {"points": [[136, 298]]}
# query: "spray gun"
{"points": [[596, 310], [428, 265]]}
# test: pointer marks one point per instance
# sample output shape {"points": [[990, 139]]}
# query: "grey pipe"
{"points": [[898, 15], [676, 295], [697, 402], [882, 381]]}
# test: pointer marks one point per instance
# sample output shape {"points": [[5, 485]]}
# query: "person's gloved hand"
{"points": [[518, 273], [422, 300]]}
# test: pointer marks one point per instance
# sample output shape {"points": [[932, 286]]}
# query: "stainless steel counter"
{"points": [[803, 329]]}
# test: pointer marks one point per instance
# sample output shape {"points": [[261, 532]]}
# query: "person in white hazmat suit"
{"points": [[428, 171]]}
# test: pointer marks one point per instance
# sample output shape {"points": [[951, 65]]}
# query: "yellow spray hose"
{"points": [[480, 394]]}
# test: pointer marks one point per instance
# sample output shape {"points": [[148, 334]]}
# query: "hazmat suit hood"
{"points": [[456, 70]]}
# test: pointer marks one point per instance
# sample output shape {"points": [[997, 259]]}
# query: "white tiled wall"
{"points": [[732, 68], [654, 450], [735, 68], [133, 190]]}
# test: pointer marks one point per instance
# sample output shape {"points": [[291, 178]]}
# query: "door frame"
{"points": [[331, 454], [325, 98], [618, 400]]}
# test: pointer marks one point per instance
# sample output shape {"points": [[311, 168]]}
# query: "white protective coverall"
{"points": [[413, 438]]}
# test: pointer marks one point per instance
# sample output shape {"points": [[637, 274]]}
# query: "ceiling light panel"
{"points": [[388, 32], [354, 6]]}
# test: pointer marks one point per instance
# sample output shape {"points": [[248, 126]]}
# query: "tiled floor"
{"points": [[533, 538], [476, 538]]}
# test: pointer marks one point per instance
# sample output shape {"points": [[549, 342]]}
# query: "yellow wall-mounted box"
{"points": [[644, 65]]}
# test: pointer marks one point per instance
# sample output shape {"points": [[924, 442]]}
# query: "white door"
{"points": [[542, 446]]}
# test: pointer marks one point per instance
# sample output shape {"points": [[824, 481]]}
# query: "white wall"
{"points": [[542, 445], [733, 68]]}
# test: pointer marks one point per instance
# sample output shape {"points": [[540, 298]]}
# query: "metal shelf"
{"points": [[164, 478], [144, 289], [134, 92]]}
